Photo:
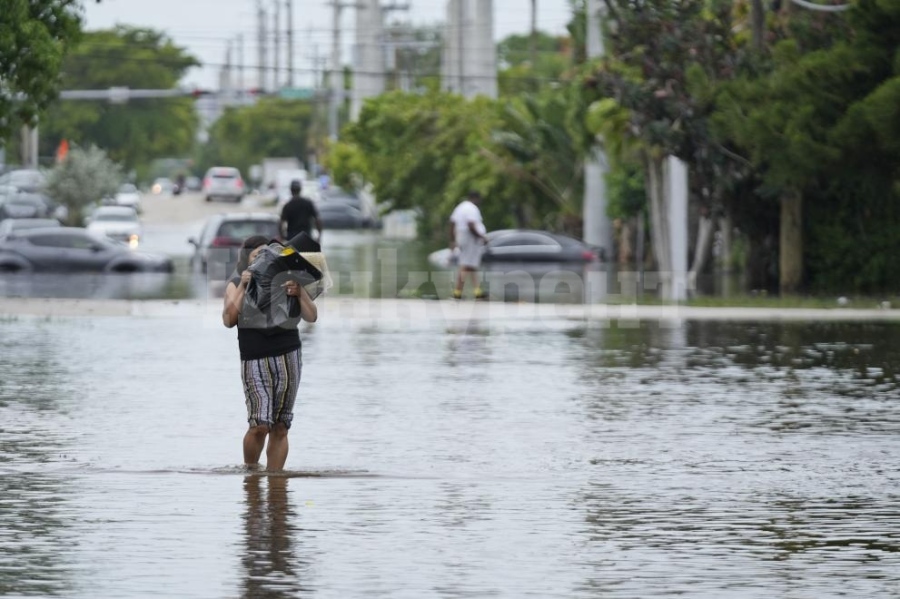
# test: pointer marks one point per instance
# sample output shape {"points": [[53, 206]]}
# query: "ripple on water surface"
{"points": [[709, 460]]}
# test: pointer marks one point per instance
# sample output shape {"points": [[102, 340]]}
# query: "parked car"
{"points": [[28, 180], [338, 215], [335, 194], [193, 183], [216, 250], [223, 183], [526, 246], [117, 222], [11, 225], [73, 249], [24, 205], [128, 195]]}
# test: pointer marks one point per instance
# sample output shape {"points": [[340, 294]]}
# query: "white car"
{"points": [[128, 195], [225, 183], [117, 222]]}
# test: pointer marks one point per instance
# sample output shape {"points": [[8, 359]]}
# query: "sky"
{"points": [[205, 27]]}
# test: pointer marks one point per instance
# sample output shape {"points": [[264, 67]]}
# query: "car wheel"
{"points": [[124, 268]]}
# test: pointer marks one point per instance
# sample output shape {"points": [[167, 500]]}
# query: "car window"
{"points": [[245, 228], [116, 216], [128, 188], [69, 241], [520, 239]]}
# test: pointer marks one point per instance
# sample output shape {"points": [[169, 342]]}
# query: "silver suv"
{"points": [[223, 182]]}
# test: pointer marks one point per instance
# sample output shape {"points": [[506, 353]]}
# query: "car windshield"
{"points": [[26, 200], [246, 228], [128, 188]]}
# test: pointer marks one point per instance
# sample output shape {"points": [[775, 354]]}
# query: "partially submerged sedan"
{"points": [[72, 249], [526, 246], [117, 222]]}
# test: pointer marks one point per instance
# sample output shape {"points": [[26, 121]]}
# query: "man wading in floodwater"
{"points": [[467, 234], [270, 364]]}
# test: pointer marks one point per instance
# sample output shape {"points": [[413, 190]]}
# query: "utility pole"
{"points": [[336, 78], [261, 39], [597, 226], [289, 17], [276, 30], [532, 42], [240, 68]]}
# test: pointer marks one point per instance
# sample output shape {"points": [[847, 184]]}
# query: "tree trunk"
{"points": [[758, 13], [659, 230], [790, 257], [701, 250], [726, 260]]}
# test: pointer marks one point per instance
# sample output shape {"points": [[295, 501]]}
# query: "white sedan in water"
{"points": [[117, 222], [128, 195]]}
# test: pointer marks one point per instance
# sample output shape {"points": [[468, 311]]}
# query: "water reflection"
{"points": [[271, 566], [34, 510]]}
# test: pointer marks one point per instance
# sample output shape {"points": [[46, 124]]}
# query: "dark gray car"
{"points": [[72, 249]]}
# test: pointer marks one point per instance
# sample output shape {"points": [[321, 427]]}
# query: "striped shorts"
{"points": [[270, 388]]}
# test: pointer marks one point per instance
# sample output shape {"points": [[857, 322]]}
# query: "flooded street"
{"points": [[453, 458]]}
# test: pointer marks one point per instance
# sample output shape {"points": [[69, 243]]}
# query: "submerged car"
{"points": [[117, 222], [526, 246], [128, 195], [28, 180], [340, 215], [216, 250], [73, 249], [24, 205]]}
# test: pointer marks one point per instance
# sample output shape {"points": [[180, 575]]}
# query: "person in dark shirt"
{"points": [[270, 364], [299, 214]]}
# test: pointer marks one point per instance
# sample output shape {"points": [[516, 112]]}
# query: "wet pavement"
{"points": [[454, 458]]}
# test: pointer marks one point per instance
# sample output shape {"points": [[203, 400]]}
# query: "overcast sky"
{"points": [[206, 26]]}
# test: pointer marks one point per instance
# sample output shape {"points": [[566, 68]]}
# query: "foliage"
{"points": [[34, 37], [140, 130], [520, 74], [244, 135], [825, 122], [427, 151], [83, 178]]}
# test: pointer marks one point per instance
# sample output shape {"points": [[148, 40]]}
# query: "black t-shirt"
{"points": [[299, 213], [256, 344]]}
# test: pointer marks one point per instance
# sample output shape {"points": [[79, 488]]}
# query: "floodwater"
{"points": [[363, 264], [449, 460]]}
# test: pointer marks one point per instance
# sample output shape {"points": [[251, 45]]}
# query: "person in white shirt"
{"points": [[467, 237]]}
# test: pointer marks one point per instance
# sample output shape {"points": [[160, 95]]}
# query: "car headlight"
{"points": [[133, 240]]}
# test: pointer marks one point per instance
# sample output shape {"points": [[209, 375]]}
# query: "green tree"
{"points": [[140, 130], [245, 135], [654, 95], [822, 129], [522, 71], [34, 37], [84, 176]]}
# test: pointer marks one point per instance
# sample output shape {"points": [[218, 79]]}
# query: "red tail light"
{"points": [[240, 183], [206, 183], [588, 256], [225, 242]]}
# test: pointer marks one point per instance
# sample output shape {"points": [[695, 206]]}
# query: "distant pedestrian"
{"points": [[270, 364], [467, 237], [299, 215]]}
